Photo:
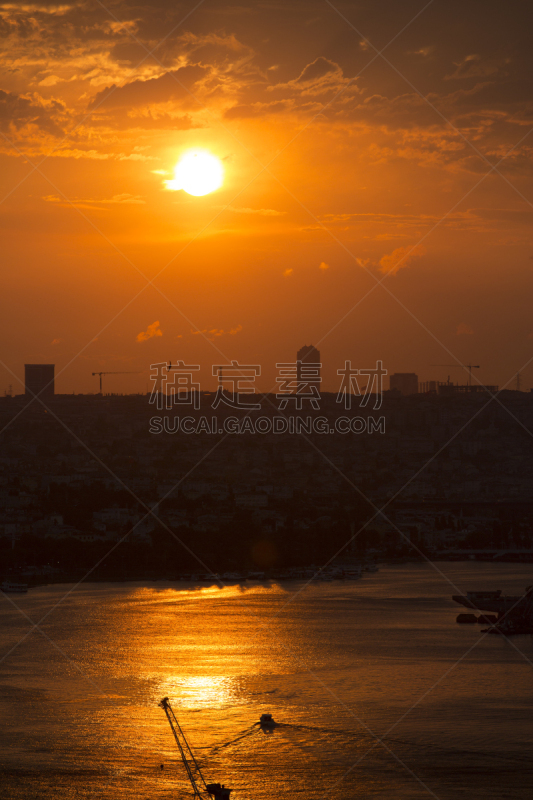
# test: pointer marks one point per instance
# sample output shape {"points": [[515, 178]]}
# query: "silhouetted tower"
{"points": [[308, 355]]}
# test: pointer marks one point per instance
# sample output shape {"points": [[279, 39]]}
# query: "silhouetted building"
{"points": [[465, 388], [404, 382], [39, 379], [309, 366]]}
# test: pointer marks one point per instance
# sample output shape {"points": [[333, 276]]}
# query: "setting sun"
{"points": [[197, 173]]}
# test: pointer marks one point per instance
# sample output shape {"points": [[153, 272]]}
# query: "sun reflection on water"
{"points": [[194, 593], [200, 691]]}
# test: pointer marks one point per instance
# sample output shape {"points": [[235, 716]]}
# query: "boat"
{"points": [[210, 578], [466, 619], [514, 613], [486, 601], [352, 574], [14, 588], [232, 577], [256, 576], [267, 721]]}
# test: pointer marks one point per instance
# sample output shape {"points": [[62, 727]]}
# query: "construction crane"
{"points": [[111, 373], [201, 789], [469, 367]]}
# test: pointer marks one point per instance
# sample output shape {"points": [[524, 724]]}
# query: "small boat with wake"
{"points": [[267, 721]]}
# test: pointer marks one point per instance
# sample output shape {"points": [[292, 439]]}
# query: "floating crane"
{"points": [[111, 373], [469, 367], [201, 789]]}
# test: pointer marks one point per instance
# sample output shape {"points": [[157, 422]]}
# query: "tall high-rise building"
{"points": [[307, 356], [404, 382], [39, 379]]}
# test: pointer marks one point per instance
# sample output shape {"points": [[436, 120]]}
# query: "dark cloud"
{"points": [[257, 109], [320, 67], [473, 62], [17, 111], [474, 66], [514, 93], [173, 85]]}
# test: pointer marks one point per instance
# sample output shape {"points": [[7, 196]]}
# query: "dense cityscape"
{"points": [[92, 483]]}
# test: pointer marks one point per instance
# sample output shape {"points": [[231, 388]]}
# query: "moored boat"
{"points": [[352, 574], [9, 587], [513, 614], [256, 576]]}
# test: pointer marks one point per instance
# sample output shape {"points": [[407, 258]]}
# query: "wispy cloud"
{"points": [[117, 199], [400, 258], [464, 329], [151, 331], [263, 212], [218, 331], [215, 333]]}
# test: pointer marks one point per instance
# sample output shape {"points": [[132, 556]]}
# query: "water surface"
{"points": [[339, 664]]}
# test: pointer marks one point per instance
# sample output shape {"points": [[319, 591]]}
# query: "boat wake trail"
{"points": [[315, 728], [242, 735], [348, 738], [350, 735]]}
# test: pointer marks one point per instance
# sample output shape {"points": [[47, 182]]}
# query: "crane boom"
{"points": [[112, 373], [201, 790]]}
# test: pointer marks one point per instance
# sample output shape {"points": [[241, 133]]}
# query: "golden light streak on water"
{"points": [[225, 656]]}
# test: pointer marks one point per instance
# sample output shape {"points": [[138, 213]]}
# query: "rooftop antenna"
{"points": [[469, 367]]}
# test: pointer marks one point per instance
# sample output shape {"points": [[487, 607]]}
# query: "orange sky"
{"points": [[341, 169]]}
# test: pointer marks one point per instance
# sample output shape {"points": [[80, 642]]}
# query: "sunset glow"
{"points": [[407, 176], [197, 173], [266, 399]]}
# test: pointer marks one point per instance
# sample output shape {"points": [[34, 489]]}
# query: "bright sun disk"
{"points": [[197, 173]]}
